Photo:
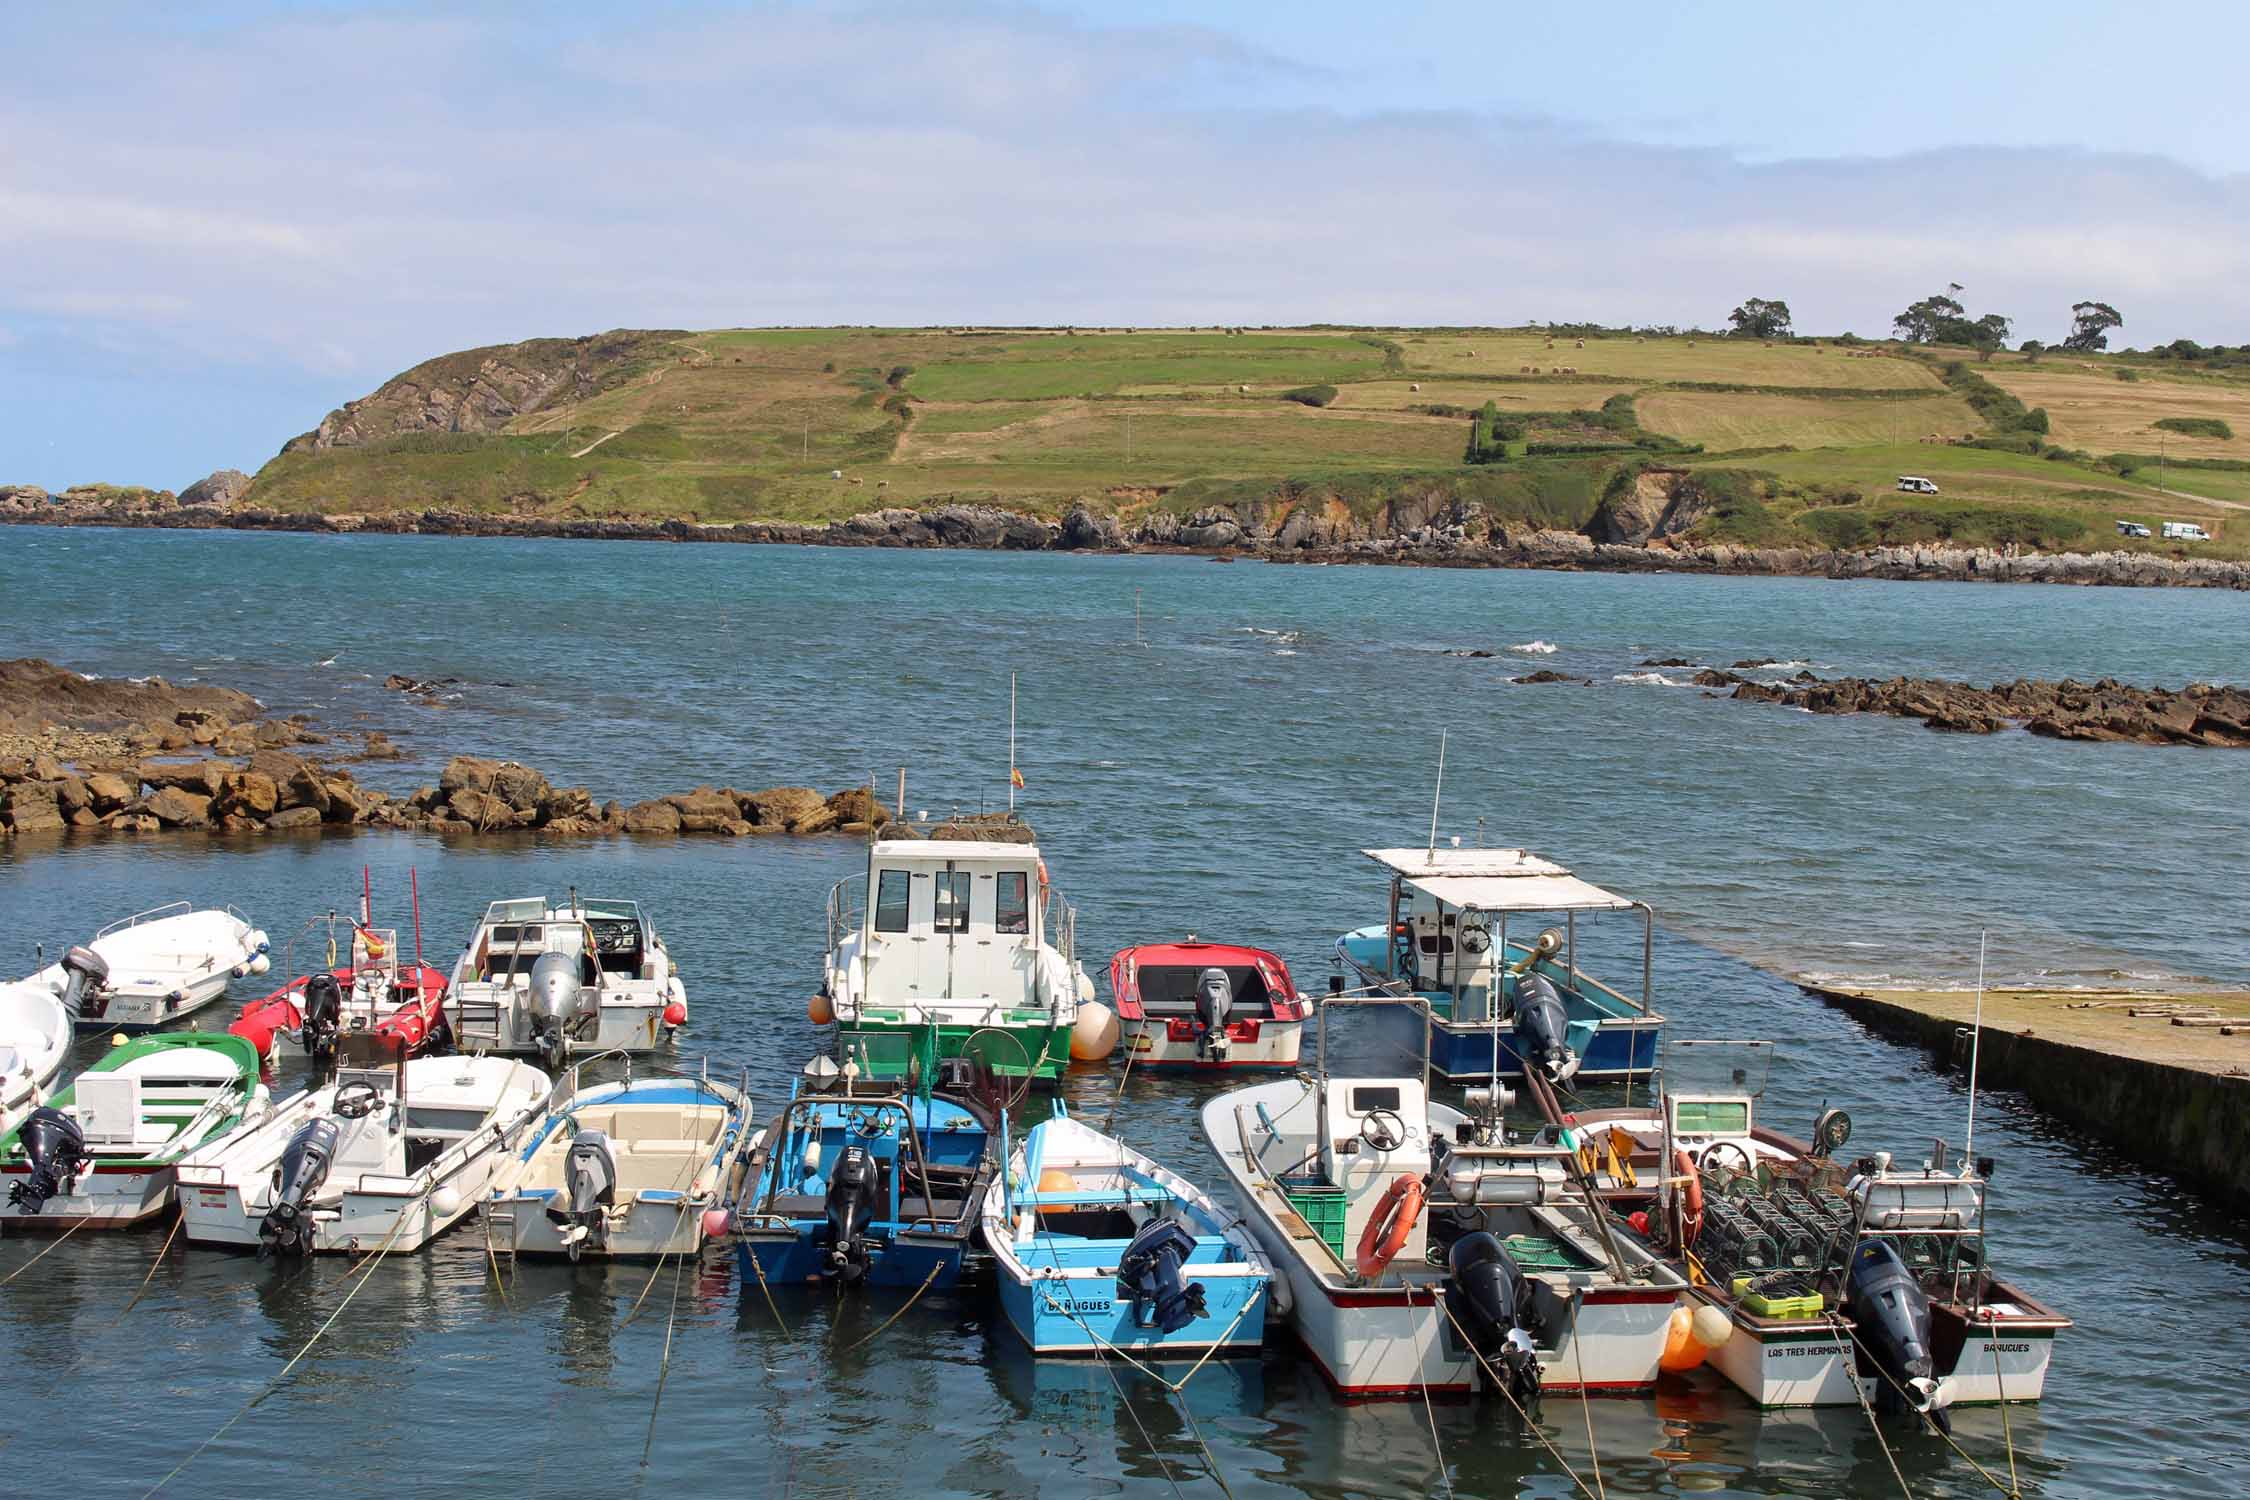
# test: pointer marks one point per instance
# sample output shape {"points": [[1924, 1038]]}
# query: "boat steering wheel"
{"points": [[1382, 1130], [356, 1101], [1708, 1160]]}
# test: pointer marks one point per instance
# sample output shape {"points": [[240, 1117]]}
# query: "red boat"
{"points": [[1207, 1005], [371, 990]]}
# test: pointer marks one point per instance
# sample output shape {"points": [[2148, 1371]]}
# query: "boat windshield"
{"points": [[1717, 1068], [529, 909]]}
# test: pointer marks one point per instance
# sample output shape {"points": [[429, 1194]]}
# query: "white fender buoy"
{"points": [[259, 940], [260, 964], [1710, 1327], [445, 1202], [1093, 1036]]}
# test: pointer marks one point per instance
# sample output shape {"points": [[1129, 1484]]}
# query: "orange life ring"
{"points": [[1392, 1221], [1691, 1213]]}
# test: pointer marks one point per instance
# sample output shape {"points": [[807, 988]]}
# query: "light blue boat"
{"points": [[1498, 998], [1096, 1249], [869, 1184]]}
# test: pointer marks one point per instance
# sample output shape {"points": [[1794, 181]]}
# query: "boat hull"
{"points": [[1256, 1044], [103, 1198], [1044, 1057], [1618, 1048], [1082, 1315], [1813, 1364], [781, 1257]]}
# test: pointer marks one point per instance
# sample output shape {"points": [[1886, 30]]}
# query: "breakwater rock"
{"points": [[1411, 529], [2200, 714]]}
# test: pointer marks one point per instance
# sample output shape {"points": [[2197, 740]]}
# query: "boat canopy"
{"points": [[1496, 880]]}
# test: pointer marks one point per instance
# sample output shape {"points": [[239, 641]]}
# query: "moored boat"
{"points": [[388, 1155], [560, 979], [963, 940], [1427, 1250], [367, 985], [154, 968], [1097, 1249], [1499, 1002], [106, 1148], [1206, 1005], [621, 1170], [35, 1037], [1844, 1281], [870, 1175]]}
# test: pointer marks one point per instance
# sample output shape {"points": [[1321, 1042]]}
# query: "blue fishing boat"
{"points": [[1499, 999], [1097, 1249], [876, 1184]]}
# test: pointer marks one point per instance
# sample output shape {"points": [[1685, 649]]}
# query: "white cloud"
{"points": [[343, 196]]}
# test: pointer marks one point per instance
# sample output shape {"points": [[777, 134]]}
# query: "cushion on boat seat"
{"points": [[648, 1125], [679, 1148]]}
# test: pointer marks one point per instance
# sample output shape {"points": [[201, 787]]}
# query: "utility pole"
{"points": [[1128, 437]]}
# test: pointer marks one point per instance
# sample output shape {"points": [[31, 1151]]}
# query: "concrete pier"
{"points": [[2150, 1074]]}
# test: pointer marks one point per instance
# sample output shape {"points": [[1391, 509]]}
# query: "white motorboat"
{"points": [[35, 1035], [103, 1151], [1425, 1250], [623, 1170], [962, 942], [557, 979], [1097, 1248], [390, 1154], [155, 967]]}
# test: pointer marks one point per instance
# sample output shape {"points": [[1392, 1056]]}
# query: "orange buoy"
{"points": [[819, 1010], [1056, 1180], [1387, 1229], [1681, 1351]]}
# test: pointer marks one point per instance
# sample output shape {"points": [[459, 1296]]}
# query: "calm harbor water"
{"points": [[1214, 768]]}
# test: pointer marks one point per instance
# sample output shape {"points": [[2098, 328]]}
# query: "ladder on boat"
{"points": [[476, 1024]]}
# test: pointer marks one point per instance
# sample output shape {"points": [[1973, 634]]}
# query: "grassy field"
{"points": [[813, 424]]}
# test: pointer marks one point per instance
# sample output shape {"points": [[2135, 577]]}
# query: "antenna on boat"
{"points": [[414, 891], [1437, 794], [1011, 742], [1976, 1041]]}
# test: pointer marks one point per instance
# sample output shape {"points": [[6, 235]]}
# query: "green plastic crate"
{"points": [[1322, 1207]]}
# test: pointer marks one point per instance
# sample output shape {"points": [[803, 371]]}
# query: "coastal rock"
{"points": [[176, 807], [249, 794], [222, 488], [652, 817], [1091, 530], [707, 811], [858, 805], [1545, 674], [468, 771], [205, 778], [132, 822], [568, 804], [30, 807], [781, 806], [2104, 712], [110, 791], [483, 810], [294, 817]]}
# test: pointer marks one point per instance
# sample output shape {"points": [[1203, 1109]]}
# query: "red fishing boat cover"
{"points": [[1159, 978]]}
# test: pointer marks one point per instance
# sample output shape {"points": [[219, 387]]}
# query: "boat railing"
{"points": [[847, 908], [1062, 927], [153, 914]]}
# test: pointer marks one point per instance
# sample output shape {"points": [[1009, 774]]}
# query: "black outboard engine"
{"points": [[1893, 1316], [301, 1170], [589, 1187], [851, 1203], [562, 1009], [1148, 1275], [322, 1013], [1214, 1000], [1489, 1296], [1542, 1029], [56, 1149], [85, 984]]}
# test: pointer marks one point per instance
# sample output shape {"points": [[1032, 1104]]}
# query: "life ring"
{"points": [[1691, 1209], [1387, 1229], [1042, 877]]}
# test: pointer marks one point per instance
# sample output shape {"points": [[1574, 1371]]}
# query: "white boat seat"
{"points": [[11, 1062], [108, 1106], [678, 1150]]}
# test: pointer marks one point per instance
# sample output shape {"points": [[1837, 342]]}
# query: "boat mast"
{"points": [[1976, 1040], [1011, 742], [1438, 793]]}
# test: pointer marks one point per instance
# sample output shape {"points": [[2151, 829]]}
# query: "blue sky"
{"points": [[215, 228]]}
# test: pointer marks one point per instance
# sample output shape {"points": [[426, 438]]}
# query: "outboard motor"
{"points": [[1489, 1296], [1893, 1315], [1148, 1275], [589, 1187], [851, 1202], [322, 1013], [1214, 1000], [1542, 1029], [301, 1170], [56, 1149], [85, 984], [562, 1009]]}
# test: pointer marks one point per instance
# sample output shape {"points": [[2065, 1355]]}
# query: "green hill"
{"points": [[816, 424]]}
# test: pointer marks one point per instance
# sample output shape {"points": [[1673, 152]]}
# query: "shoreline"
{"points": [[1218, 535]]}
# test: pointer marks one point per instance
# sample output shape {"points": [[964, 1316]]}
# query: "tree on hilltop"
{"points": [[2090, 326], [1761, 318], [1941, 319]]}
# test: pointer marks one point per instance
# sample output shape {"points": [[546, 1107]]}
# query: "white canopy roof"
{"points": [[1496, 880]]}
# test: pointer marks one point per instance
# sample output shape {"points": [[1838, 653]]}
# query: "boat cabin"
{"points": [[1374, 1131], [951, 920], [610, 938]]}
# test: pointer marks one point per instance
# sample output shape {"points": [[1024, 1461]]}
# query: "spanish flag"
{"points": [[1015, 778]]}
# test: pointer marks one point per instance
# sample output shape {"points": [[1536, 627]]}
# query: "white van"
{"points": [[1915, 484], [2185, 531], [2131, 528]]}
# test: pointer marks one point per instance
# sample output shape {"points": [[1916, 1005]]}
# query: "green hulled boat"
{"points": [[104, 1149], [959, 947]]}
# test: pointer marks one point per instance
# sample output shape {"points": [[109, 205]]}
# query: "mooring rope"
{"points": [[398, 1223], [1162, 1464], [935, 1267], [760, 1270], [1851, 1375], [1430, 1412], [133, 1301], [1586, 1405], [1952, 1442], [1500, 1384], [1175, 1387], [664, 1366], [1126, 1072], [75, 1226]]}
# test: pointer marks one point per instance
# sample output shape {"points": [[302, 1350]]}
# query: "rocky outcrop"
{"points": [[222, 488], [2110, 711]]}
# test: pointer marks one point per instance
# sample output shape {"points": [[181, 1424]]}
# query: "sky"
{"points": [[219, 222]]}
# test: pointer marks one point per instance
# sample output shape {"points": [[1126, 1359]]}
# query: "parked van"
{"points": [[1915, 484], [2185, 531], [2131, 528]]}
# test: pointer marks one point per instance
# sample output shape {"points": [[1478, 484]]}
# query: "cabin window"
{"points": [[1011, 909], [1368, 1100], [890, 901], [951, 911]]}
